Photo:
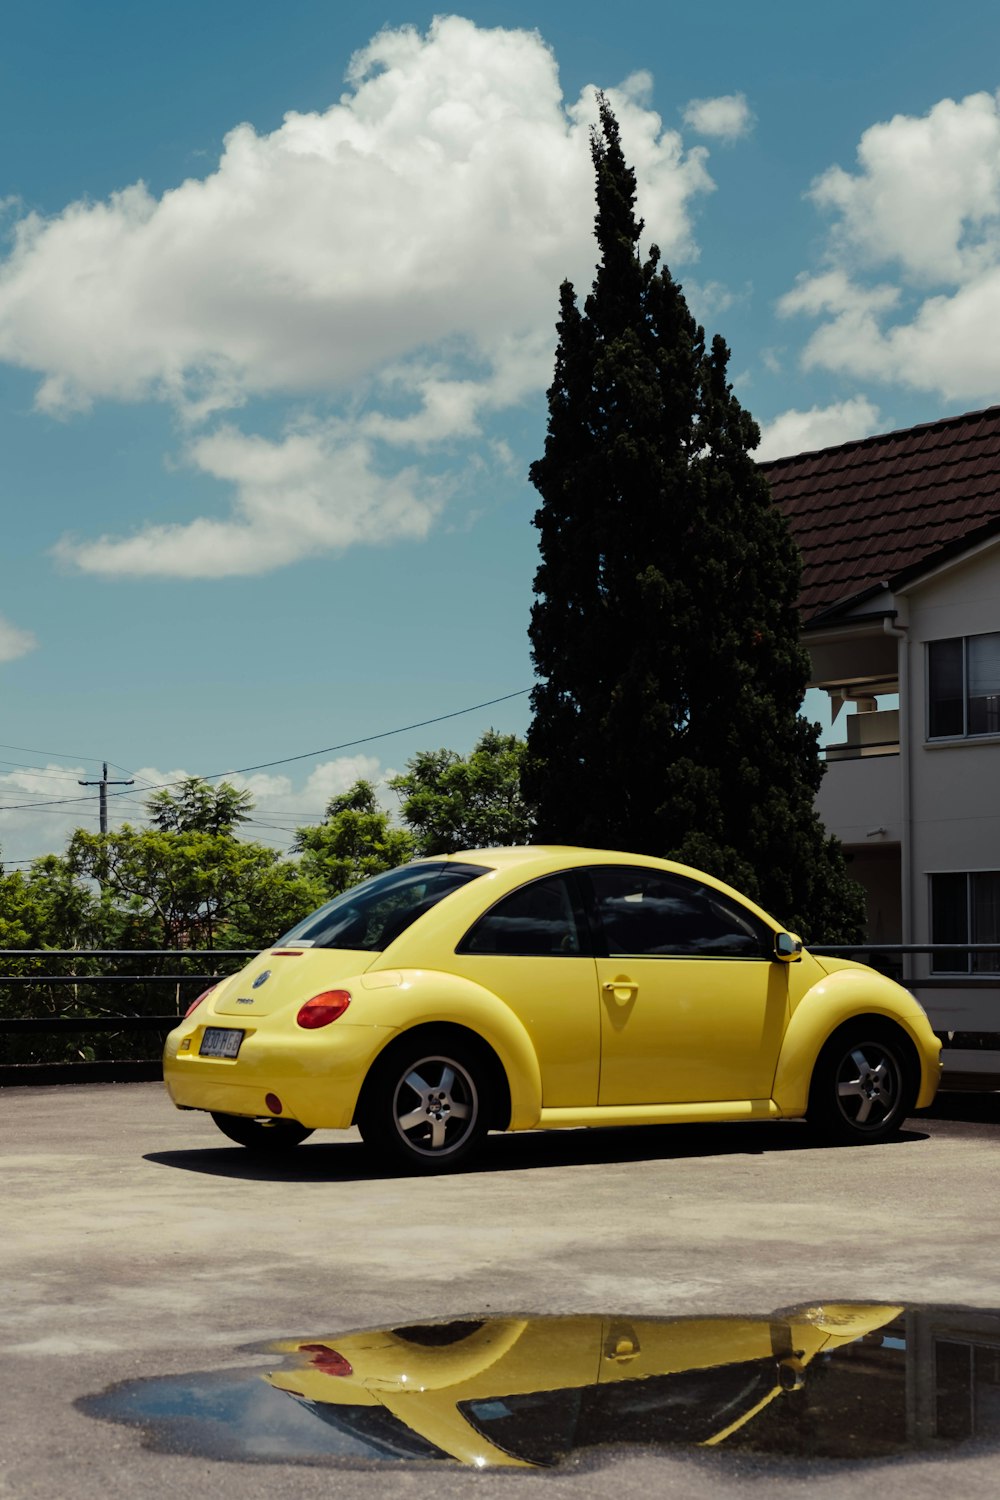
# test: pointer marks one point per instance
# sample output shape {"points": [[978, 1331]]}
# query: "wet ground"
{"points": [[854, 1383], [175, 1316]]}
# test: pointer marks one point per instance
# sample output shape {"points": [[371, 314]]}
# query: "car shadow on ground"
{"points": [[319, 1160]]}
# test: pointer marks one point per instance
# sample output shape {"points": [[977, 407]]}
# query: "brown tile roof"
{"points": [[885, 508]]}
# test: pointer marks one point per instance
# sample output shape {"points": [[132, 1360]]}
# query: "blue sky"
{"points": [[276, 325]]}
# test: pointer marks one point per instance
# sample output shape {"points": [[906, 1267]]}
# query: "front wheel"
{"points": [[426, 1107], [265, 1135], [862, 1089]]}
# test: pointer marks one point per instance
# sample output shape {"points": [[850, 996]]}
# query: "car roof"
{"points": [[525, 854], [508, 858]]}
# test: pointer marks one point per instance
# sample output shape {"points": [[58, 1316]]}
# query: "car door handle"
{"points": [[622, 989], [622, 1344]]}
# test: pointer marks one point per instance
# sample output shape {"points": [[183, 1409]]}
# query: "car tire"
{"points": [[863, 1086], [427, 1105], [264, 1135]]}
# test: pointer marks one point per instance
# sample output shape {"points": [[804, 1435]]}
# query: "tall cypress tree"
{"points": [[664, 633]]}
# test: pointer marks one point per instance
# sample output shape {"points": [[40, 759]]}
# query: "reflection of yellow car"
{"points": [[519, 1392], [519, 988]]}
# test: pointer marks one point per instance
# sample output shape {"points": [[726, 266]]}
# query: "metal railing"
{"points": [[109, 1027], [863, 750], [938, 978], [87, 1024], [888, 958]]}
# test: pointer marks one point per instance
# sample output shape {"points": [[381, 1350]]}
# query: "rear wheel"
{"points": [[264, 1134], [427, 1106], [863, 1087]]}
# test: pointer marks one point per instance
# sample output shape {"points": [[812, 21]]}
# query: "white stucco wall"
{"points": [[939, 801], [954, 785]]}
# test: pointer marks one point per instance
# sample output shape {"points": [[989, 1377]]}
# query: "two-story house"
{"points": [[900, 603]]}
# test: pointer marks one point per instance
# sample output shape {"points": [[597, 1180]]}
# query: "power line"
{"points": [[142, 779], [286, 760], [56, 754], [40, 770]]}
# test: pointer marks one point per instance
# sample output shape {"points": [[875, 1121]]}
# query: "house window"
{"points": [[964, 686], [966, 909]]}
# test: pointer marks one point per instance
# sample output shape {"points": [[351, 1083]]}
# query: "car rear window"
{"points": [[371, 915]]}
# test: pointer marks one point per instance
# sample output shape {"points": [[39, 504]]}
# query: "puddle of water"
{"points": [[844, 1381]]}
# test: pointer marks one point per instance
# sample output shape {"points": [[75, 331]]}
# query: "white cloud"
{"points": [[318, 489], [282, 803], [922, 212], [709, 299], [403, 248], [34, 831], [277, 792], [834, 292], [727, 117], [14, 641], [927, 192], [819, 427]]}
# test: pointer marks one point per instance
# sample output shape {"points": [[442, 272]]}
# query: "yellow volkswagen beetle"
{"points": [[524, 988], [526, 1392]]}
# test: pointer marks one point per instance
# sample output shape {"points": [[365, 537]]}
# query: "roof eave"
{"points": [[970, 542], [831, 614]]}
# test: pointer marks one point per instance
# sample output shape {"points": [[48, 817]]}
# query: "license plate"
{"points": [[220, 1041]]}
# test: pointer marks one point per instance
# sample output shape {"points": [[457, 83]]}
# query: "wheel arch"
{"points": [[878, 1024], [442, 1034], [836, 1002], [433, 998]]}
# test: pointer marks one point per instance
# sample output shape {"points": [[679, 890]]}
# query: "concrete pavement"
{"points": [[136, 1243]]}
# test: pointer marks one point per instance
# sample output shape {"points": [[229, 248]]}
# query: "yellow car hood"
{"points": [[286, 976]]}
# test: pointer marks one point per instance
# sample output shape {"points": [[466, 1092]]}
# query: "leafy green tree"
{"points": [[188, 881], [198, 807], [664, 633], [50, 906], [355, 840], [454, 802]]}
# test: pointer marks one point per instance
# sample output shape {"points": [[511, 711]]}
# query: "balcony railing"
{"points": [[868, 734]]}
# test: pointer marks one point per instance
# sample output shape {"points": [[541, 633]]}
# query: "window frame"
{"points": [[602, 947], [950, 963], [966, 733], [584, 924]]}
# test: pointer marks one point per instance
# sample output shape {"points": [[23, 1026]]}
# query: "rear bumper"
{"points": [[317, 1076]]}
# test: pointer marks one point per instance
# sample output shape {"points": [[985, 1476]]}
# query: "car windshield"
{"points": [[371, 915]]}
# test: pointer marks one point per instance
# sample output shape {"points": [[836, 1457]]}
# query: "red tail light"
{"points": [[322, 1009], [327, 1360], [203, 996]]}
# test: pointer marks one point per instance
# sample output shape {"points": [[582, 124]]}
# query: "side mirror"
{"points": [[788, 948]]}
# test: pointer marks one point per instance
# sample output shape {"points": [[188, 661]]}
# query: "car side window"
{"points": [[646, 913], [540, 920]]}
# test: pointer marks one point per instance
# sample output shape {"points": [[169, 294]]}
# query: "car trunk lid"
{"points": [[285, 976]]}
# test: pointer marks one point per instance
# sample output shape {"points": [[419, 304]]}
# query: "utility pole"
{"points": [[103, 784]]}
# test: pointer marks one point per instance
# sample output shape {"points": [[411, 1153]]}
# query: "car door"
{"points": [[533, 950], [693, 1005]]}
